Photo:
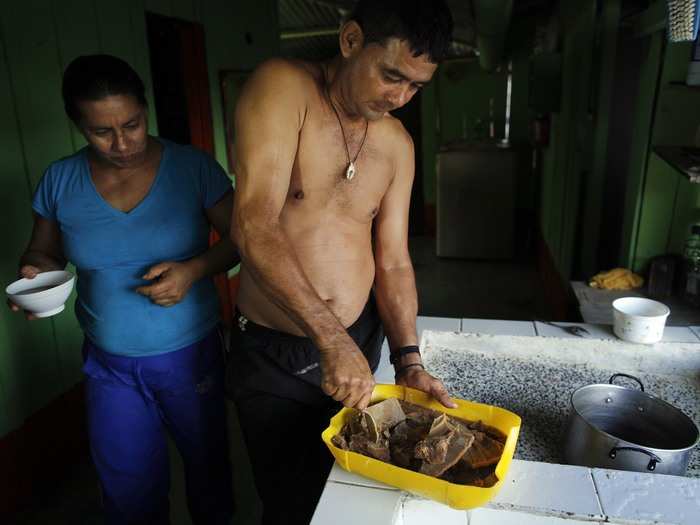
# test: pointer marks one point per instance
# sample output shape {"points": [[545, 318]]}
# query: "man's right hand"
{"points": [[28, 272], [345, 375]]}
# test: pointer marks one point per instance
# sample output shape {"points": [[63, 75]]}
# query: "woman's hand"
{"points": [[174, 280], [28, 272]]}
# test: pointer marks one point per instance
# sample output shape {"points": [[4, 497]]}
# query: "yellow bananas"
{"points": [[616, 279]]}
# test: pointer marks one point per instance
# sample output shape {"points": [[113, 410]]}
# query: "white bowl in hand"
{"points": [[43, 296]]}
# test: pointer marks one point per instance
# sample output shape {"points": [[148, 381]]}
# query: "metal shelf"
{"points": [[682, 86], [685, 160]]}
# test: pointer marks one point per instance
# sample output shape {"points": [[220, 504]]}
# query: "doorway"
{"points": [[183, 103], [180, 81]]}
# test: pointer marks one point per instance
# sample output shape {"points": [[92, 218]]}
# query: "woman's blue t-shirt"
{"points": [[112, 249]]}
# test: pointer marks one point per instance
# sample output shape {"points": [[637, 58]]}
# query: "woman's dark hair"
{"points": [[425, 24], [94, 77]]}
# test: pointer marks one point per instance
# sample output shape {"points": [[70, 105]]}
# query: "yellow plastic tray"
{"points": [[456, 496]]}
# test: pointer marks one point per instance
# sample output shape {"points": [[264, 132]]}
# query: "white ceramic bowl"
{"points": [[45, 295], [639, 320]]}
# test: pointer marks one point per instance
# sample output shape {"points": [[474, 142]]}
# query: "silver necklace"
{"points": [[351, 170]]}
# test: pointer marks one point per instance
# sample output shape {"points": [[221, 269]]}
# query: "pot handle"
{"points": [[652, 462], [615, 376]]}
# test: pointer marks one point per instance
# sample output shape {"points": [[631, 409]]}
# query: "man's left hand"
{"points": [[173, 282], [416, 377]]}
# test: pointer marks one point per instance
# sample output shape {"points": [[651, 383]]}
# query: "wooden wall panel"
{"points": [[566, 160], [161, 7], [639, 147], [656, 216], [76, 34], [578, 75], [116, 32], [30, 364], [32, 53], [184, 9], [594, 184], [141, 59], [48, 135], [14, 199]]}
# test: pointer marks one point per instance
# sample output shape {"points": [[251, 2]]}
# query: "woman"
{"points": [[132, 213]]}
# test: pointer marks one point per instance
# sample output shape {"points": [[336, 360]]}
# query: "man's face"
{"points": [[385, 77]]}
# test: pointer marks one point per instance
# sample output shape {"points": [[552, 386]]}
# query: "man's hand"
{"points": [[416, 377], [174, 281], [28, 272], [345, 375]]}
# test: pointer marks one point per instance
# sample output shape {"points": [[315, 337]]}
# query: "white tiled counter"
{"points": [[534, 493]]}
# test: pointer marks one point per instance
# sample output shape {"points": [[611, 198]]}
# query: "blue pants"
{"points": [[131, 402]]}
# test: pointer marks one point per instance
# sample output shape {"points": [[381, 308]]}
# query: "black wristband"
{"points": [[397, 354], [405, 367]]}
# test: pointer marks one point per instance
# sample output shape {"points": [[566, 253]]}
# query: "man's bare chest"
{"points": [[319, 176]]}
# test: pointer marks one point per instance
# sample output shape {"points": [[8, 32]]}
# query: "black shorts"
{"points": [[288, 366]]}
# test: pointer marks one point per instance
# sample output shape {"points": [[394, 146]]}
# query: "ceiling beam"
{"points": [[306, 32], [343, 6], [464, 32]]}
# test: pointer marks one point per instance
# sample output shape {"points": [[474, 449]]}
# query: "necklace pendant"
{"points": [[350, 172]]}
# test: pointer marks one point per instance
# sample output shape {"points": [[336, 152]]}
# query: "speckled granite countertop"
{"points": [[534, 377]]}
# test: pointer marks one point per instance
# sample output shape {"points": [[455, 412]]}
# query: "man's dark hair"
{"points": [[94, 77], [425, 24]]}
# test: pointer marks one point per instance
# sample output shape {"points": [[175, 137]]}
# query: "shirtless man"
{"points": [[324, 176]]}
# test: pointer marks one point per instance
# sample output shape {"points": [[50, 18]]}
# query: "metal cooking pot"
{"points": [[611, 426]]}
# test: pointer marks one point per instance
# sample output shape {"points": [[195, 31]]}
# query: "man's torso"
{"points": [[327, 218]]}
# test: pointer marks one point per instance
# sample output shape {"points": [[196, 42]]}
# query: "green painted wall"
{"points": [[639, 153], [41, 359], [659, 203], [604, 58], [568, 157], [668, 202]]}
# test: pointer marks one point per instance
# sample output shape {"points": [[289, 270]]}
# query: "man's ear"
{"points": [[352, 39]]}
